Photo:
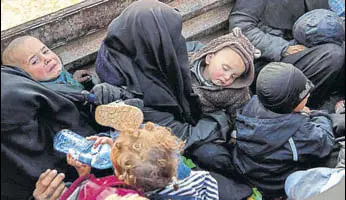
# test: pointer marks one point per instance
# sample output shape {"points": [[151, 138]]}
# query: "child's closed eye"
{"points": [[34, 60], [225, 68]]}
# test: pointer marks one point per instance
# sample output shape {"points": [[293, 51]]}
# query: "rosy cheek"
{"points": [[41, 73], [217, 75]]}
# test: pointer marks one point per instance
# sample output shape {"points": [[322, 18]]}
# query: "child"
{"points": [[145, 159], [276, 133], [222, 72], [43, 65], [38, 99]]}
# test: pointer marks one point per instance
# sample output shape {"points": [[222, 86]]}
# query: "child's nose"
{"points": [[229, 76], [47, 59]]}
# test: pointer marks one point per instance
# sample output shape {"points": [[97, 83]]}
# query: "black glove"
{"points": [[106, 93]]}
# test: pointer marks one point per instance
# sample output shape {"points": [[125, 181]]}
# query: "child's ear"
{"points": [[208, 58]]}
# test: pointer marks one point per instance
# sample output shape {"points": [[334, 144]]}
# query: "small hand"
{"points": [[100, 140], [49, 186], [82, 169], [294, 49], [306, 110], [82, 75]]}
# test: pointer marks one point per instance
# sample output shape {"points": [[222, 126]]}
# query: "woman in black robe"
{"points": [[145, 52]]}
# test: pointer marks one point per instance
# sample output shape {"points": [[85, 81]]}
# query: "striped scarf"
{"points": [[199, 184]]}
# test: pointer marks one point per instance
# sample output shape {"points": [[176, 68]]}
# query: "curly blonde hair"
{"points": [[146, 158]]}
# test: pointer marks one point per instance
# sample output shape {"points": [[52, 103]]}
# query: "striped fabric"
{"points": [[200, 184]]}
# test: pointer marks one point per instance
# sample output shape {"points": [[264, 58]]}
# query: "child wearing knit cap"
{"points": [[222, 72], [276, 133]]}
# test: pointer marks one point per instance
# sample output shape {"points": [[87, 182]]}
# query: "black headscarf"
{"points": [[145, 51]]}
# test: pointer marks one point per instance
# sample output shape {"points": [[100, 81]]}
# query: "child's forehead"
{"points": [[29, 47], [227, 49], [31, 44]]}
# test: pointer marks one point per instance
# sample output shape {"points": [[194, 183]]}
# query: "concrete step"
{"points": [[217, 33], [91, 65], [61, 27], [192, 8], [207, 23], [79, 52]]}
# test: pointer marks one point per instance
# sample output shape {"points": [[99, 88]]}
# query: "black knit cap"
{"points": [[281, 87]]}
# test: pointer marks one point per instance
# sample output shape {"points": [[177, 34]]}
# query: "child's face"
{"points": [[38, 60], [223, 67]]}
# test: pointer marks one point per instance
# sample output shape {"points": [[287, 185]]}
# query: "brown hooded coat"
{"points": [[215, 98]]}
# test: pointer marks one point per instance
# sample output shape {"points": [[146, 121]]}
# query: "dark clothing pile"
{"points": [[31, 114], [270, 146], [145, 51], [268, 25], [319, 26]]}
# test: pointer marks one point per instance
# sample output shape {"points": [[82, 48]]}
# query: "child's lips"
{"points": [[52, 67], [220, 82]]}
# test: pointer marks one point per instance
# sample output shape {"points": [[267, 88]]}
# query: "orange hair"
{"points": [[146, 158]]}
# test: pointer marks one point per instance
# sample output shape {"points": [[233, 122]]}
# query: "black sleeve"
{"points": [[211, 127], [246, 15]]}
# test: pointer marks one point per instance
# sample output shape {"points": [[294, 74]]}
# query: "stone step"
{"points": [[81, 51], [207, 23], [192, 8], [58, 28], [217, 33], [61, 27], [91, 65]]}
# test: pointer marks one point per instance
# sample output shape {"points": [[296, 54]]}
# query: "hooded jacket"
{"points": [[145, 51], [213, 97], [268, 23], [31, 114], [270, 146]]}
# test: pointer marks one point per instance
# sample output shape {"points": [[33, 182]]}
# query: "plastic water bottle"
{"points": [[338, 6], [80, 148]]}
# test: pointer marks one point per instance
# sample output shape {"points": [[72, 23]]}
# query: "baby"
{"points": [[43, 65], [222, 72], [35, 58]]}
